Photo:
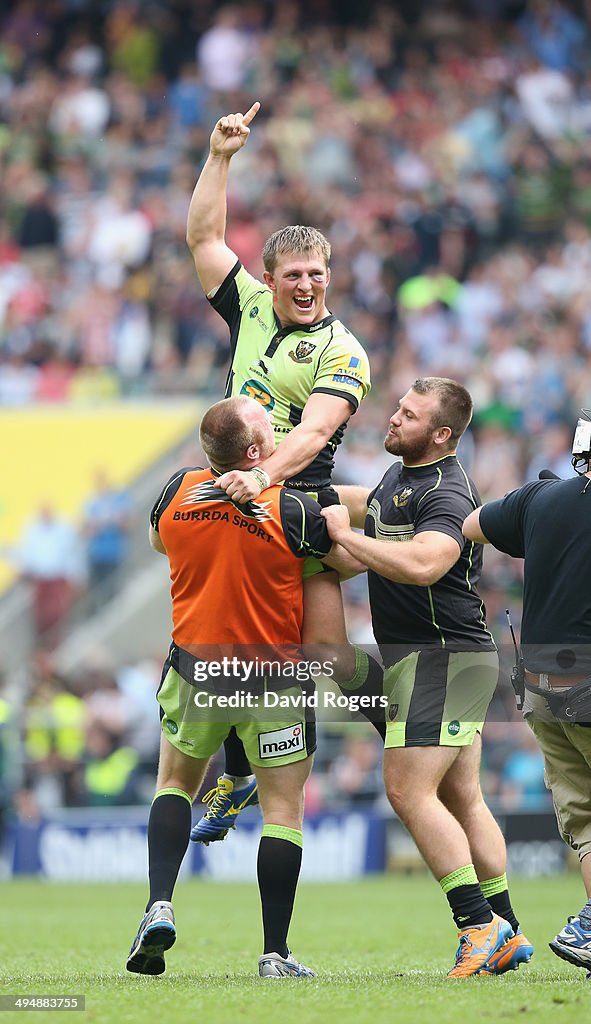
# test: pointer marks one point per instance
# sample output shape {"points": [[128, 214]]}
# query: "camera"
{"points": [[581, 450]]}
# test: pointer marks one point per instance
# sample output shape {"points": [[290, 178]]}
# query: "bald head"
{"points": [[236, 433]]}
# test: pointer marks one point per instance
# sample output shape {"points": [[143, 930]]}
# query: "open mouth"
{"points": [[304, 303]]}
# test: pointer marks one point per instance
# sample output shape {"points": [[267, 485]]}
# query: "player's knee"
{"points": [[285, 809], [285, 813], [400, 796], [177, 782]]}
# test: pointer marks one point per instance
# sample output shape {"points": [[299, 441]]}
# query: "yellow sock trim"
{"points": [[492, 886], [173, 792], [361, 670], [290, 835], [461, 876]]}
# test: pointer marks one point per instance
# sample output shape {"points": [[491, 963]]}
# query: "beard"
{"points": [[410, 451]]}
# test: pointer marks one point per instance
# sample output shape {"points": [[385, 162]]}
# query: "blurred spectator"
{"points": [[189, 99], [80, 108], [108, 519], [547, 100], [54, 737], [225, 51], [133, 42], [120, 235], [50, 560], [138, 684], [38, 226], [553, 452], [554, 34], [107, 706], [522, 777], [109, 775], [355, 775]]}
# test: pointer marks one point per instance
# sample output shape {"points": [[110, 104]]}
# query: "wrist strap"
{"points": [[262, 478]]}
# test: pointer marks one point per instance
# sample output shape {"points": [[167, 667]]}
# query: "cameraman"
{"points": [[547, 523]]}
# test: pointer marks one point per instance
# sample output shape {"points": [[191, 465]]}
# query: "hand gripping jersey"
{"points": [[236, 569], [282, 367]]}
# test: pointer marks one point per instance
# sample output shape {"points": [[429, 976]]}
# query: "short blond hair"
{"points": [[296, 239]]}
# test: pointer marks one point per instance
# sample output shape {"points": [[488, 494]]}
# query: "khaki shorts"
{"points": [[196, 726], [439, 698], [567, 771]]}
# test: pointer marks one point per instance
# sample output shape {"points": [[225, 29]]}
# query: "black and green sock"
{"points": [[278, 870], [496, 891], [464, 895], [169, 828], [237, 762]]}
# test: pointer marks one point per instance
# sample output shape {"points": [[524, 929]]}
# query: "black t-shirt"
{"points": [[548, 522], [449, 613]]}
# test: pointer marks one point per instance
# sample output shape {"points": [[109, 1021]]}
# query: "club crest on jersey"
{"points": [[207, 490], [402, 499], [302, 353], [393, 711]]}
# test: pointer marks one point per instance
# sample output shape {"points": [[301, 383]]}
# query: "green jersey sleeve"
{"points": [[343, 369], [238, 292]]}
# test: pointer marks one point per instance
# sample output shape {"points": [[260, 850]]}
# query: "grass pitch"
{"points": [[381, 947]]}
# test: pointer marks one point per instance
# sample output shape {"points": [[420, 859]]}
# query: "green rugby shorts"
{"points": [[197, 722], [438, 697]]}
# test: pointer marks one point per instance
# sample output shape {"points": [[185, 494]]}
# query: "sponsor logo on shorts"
{"points": [[454, 728], [172, 726], [393, 711], [281, 742]]}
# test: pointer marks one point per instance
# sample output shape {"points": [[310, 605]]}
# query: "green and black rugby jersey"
{"points": [[449, 613], [282, 367]]}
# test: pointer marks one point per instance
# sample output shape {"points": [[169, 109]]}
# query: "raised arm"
{"points": [[206, 222]]}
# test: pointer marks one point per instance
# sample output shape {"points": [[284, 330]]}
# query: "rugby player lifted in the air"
{"points": [[301, 363]]}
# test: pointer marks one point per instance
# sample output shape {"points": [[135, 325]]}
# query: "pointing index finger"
{"points": [[251, 114]]}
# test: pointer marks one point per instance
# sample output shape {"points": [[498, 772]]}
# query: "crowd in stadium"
{"points": [[445, 151]]}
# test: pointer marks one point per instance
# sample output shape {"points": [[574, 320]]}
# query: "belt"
{"points": [[549, 681]]}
